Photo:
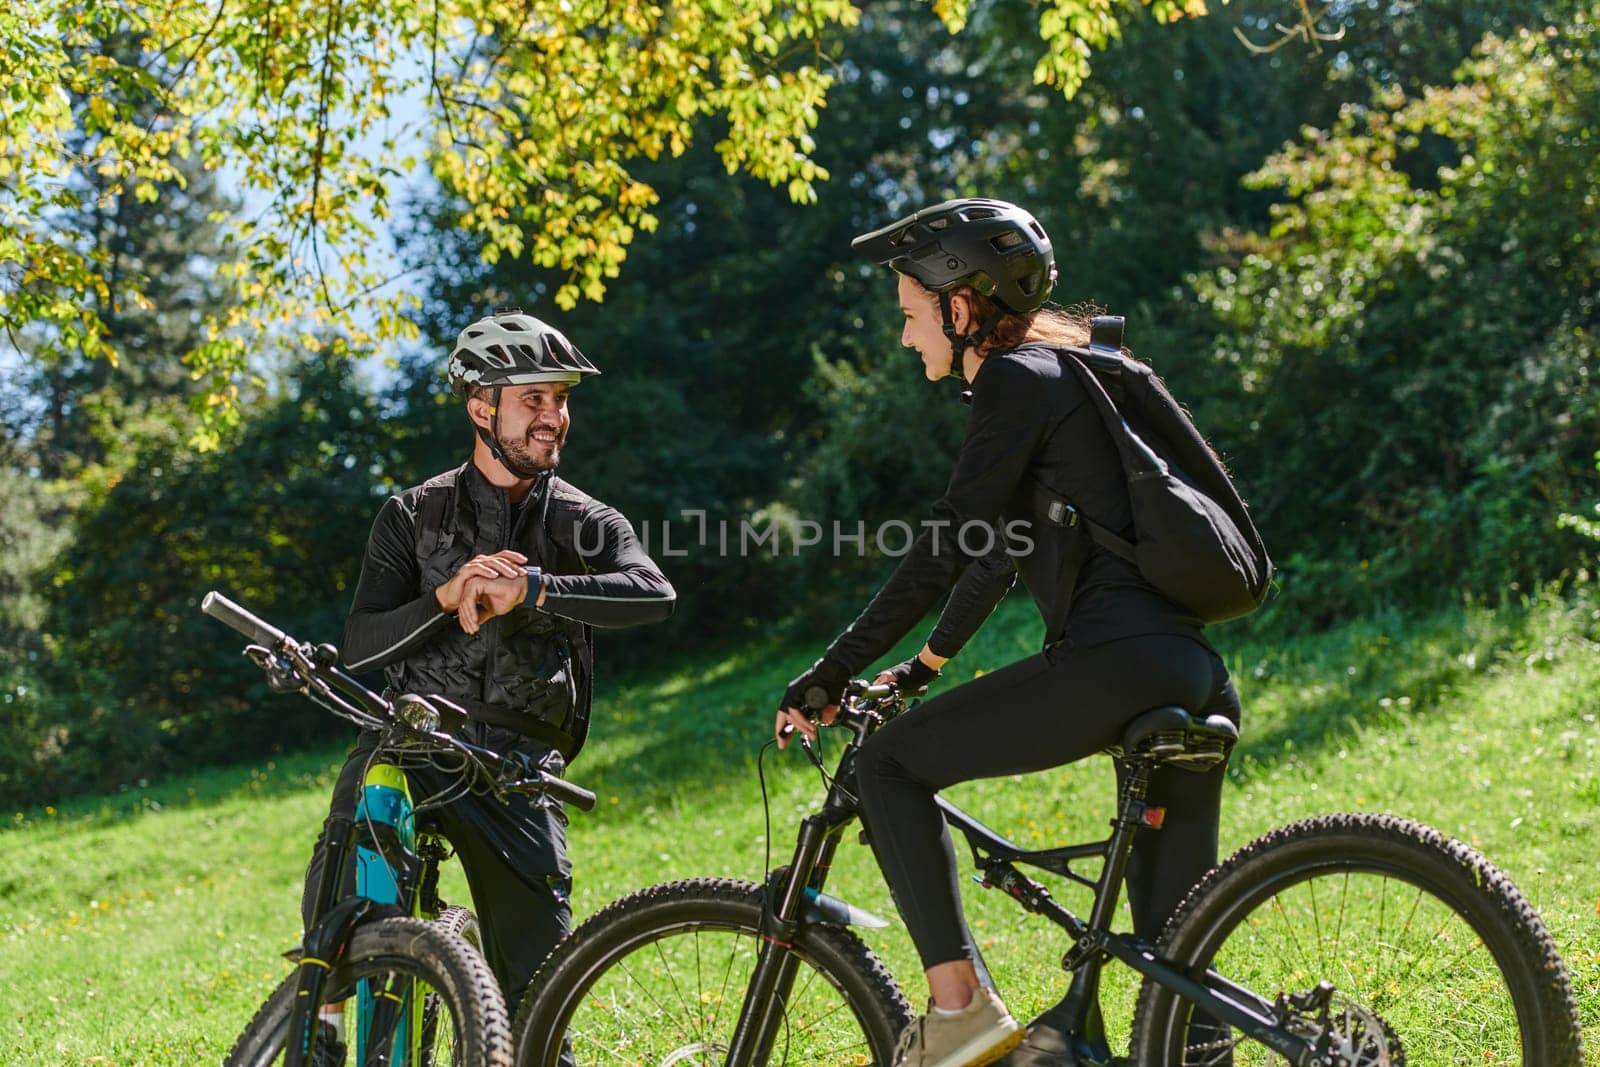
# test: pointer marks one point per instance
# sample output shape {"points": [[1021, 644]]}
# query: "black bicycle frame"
{"points": [[1078, 1013]]}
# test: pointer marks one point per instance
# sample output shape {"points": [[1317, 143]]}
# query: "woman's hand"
{"points": [[915, 674], [825, 678]]}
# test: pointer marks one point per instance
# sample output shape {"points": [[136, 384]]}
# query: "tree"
{"points": [[141, 682], [543, 111], [1428, 291], [74, 410]]}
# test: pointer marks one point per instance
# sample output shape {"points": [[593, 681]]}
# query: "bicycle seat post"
{"points": [[1078, 1013]]}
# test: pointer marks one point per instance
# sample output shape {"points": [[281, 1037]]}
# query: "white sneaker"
{"points": [[976, 1035]]}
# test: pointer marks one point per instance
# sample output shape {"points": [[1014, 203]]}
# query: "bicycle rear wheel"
{"points": [[401, 959], [1433, 955], [659, 977]]}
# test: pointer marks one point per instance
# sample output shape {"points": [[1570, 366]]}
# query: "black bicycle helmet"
{"points": [[514, 348], [997, 248]]}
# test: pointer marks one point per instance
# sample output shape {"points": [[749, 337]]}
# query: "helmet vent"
{"points": [[1037, 229], [1005, 242], [978, 214]]}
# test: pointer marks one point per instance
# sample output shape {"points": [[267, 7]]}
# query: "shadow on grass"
{"points": [[656, 741], [268, 777], [1319, 692]]}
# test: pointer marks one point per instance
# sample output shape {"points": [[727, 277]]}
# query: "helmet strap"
{"points": [[959, 343], [491, 437]]}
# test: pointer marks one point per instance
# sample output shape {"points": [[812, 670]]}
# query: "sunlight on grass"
{"points": [[146, 927]]}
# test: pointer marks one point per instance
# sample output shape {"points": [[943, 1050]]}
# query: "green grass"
{"points": [[145, 927]]}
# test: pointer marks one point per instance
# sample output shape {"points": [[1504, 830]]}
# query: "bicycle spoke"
{"points": [[722, 994], [1300, 952], [821, 1018], [660, 1007], [1344, 892], [693, 1016]]}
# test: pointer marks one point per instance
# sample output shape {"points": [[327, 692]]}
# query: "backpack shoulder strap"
{"points": [[563, 503], [1180, 444], [435, 501], [1137, 457]]}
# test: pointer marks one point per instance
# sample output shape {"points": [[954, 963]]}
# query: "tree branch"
{"points": [[1305, 28]]}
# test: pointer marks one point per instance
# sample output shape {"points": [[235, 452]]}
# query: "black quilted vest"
{"points": [[526, 670]]}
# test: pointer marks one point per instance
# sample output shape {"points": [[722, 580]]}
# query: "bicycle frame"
{"points": [[1078, 1013]]}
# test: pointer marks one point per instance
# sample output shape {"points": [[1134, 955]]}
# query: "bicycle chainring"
{"points": [[1343, 1032]]}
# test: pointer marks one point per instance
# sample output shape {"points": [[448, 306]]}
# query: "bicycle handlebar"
{"points": [[561, 789], [314, 673], [224, 610]]}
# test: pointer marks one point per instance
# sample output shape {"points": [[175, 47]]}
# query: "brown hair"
{"points": [[1056, 326]]}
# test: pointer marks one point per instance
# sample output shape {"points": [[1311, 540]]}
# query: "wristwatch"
{"points": [[535, 582]]}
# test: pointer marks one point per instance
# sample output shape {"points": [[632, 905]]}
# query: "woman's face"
{"points": [[924, 328]]}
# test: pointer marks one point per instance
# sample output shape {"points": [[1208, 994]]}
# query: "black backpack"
{"points": [[1193, 538]]}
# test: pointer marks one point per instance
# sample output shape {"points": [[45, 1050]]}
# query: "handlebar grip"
{"points": [[575, 795], [224, 610]]}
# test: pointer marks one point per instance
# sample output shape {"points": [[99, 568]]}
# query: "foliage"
{"points": [[142, 683], [541, 114], [752, 369], [711, 340], [1443, 315], [1583, 525]]}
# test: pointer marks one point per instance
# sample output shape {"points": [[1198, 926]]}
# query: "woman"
{"points": [[973, 278]]}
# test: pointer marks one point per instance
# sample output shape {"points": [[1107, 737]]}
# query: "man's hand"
{"points": [[485, 598], [504, 564]]}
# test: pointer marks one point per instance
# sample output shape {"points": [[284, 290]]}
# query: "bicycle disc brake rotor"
{"points": [[1348, 1034]]}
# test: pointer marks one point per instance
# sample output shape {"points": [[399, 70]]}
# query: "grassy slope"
{"points": [[144, 928]]}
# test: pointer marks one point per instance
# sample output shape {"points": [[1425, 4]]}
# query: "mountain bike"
{"points": [[405, 964], [1340, 941]]}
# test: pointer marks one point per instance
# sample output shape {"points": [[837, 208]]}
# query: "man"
{"points": [[482, 584]]}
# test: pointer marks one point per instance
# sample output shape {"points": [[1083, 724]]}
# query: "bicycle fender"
{"points": [[831, 911], [326, 941]]}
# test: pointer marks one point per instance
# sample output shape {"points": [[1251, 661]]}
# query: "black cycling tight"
{"points": [[1048, 710]]}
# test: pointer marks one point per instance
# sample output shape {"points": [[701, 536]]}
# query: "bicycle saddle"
{"points": [[1171, 735]]}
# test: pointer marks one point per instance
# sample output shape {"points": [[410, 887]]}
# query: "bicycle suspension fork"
{"points": [[776, 964]]}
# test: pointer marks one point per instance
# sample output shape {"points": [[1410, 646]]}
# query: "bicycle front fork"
{"points": [[776, 965]]}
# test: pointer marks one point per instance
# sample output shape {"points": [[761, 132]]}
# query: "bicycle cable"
{"points": [[372, 826], [766, 808]]}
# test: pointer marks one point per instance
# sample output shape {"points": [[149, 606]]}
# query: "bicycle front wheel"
{"points": [[659, 977], [1432, 955], [401, 960]]}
